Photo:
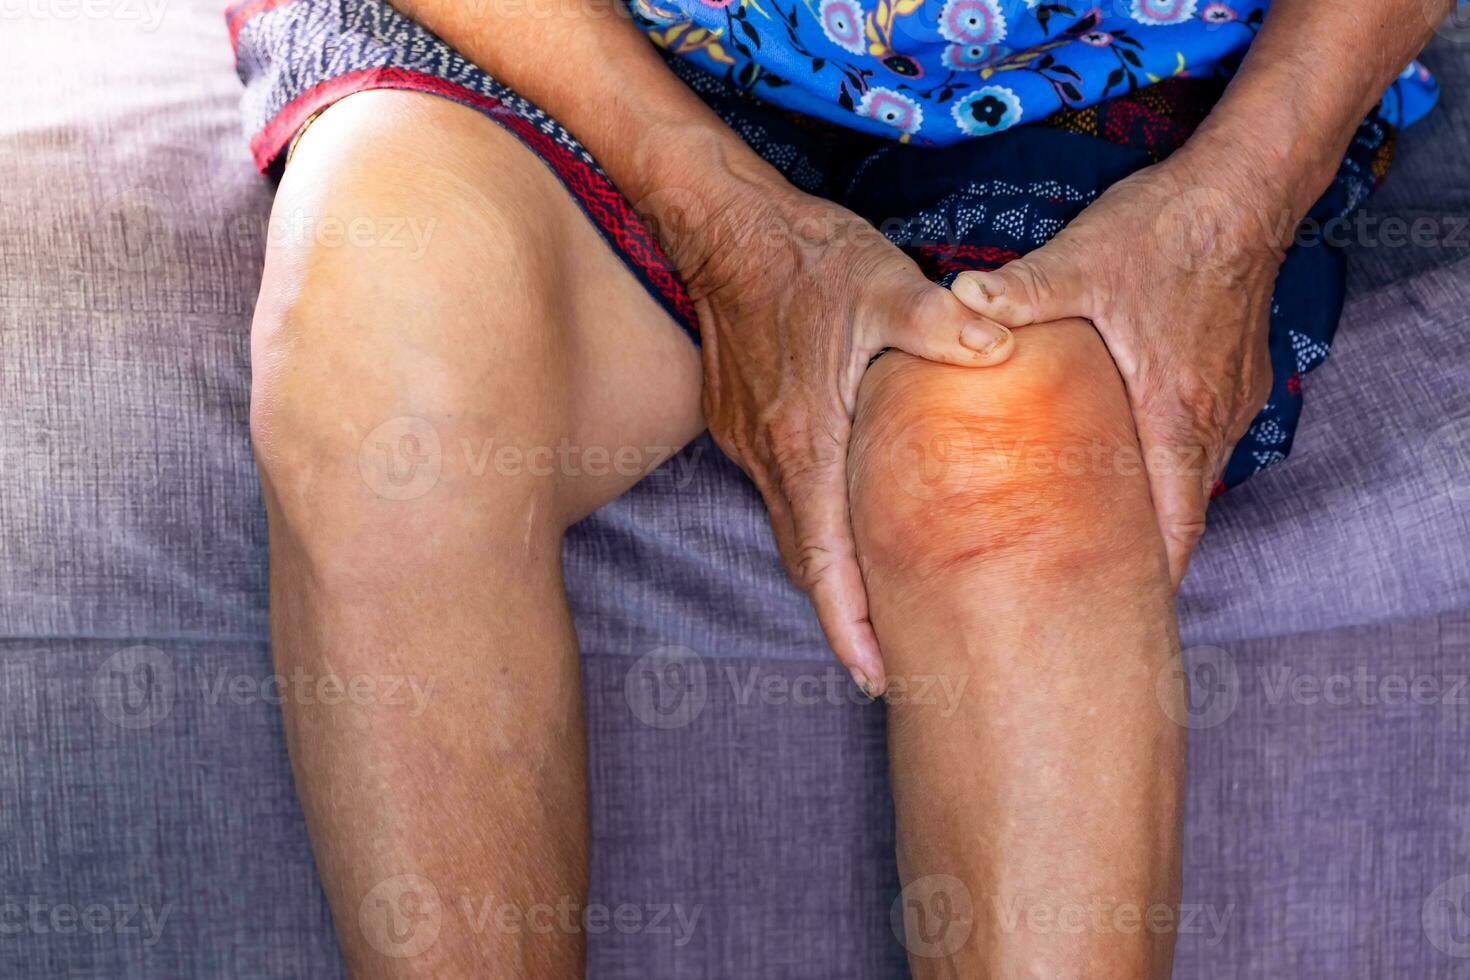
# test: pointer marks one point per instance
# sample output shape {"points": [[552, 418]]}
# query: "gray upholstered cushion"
{"points": [[1318, 833]]}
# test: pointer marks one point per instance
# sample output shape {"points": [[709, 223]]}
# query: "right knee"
{"points": [[389, 373]]}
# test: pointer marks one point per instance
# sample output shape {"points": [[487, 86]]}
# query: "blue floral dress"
{"points": [[938, 71]]}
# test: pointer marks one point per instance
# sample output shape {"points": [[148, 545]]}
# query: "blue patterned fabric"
{"points": [[940, 71], [980, 203]]}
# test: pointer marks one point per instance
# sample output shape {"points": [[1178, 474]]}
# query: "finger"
{"points": [[822, 559], [934, 325], [1043, 285], [1180, 495]]}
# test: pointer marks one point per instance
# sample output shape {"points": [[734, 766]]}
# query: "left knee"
{"points": [[1030, 467]]}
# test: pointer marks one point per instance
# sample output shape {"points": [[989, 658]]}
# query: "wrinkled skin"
{"points": [[1177, 278], [795, 296]]}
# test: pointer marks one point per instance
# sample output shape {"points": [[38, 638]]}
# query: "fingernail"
{"points": [[864, 685], [984, 338]]}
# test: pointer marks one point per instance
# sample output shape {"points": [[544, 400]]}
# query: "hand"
{"points": [[1177, 277], [795, 296]]}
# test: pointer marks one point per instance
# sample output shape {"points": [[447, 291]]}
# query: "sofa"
{"points": [[148, 825]]}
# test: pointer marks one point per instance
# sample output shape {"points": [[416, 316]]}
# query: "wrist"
{"points": [[694, 182], [1264, 189], [1276, 164]]}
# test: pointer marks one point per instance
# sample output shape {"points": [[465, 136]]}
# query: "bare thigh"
{"points": [[423, 259]]}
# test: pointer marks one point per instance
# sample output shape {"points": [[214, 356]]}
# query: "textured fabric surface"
{"points": [[130, 236], [151, 781]]}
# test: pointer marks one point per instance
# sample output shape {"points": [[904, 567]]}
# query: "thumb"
{"points": [[936, 326], [1043, 285]]}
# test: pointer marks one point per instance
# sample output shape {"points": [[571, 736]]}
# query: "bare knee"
{"points": [[400, 341], [365, 455], [1032, 466]]}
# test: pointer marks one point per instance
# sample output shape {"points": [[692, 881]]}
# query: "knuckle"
{"points": [[1198, 403], [781, 430], [805, 460], [810, 563], [735, 442], [1032, 278], [1186, 531]]}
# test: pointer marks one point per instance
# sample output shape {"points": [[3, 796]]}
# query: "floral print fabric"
{"points": [[940, 71]]}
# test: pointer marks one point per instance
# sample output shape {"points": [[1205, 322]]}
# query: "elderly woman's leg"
{"points": [[438, 322], [1020, 594]]}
